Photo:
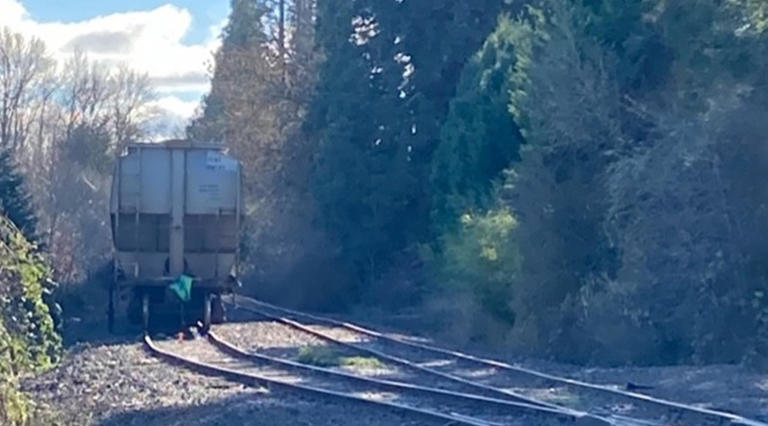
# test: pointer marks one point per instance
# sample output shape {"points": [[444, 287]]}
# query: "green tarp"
{"points": [[183, 287]]}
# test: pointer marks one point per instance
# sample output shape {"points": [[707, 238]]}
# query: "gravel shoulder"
{"points": [[115, 382], [118, 383]]}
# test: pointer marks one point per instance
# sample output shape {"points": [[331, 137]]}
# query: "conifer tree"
{"points": [[15, 203], [391, 71], [479, 138]]}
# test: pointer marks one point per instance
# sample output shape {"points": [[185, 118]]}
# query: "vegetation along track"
{"points": [[220, 358], [505, 380]]}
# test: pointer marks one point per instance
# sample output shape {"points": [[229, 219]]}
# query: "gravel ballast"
{"points": [[121, 384], [116, 382], [727, 388], [202, 351]]}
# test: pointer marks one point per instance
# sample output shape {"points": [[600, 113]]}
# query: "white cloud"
{"points": [[13, 11], [169, 117], [176, 106], [149, 41]]}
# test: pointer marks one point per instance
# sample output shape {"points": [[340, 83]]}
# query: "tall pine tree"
{"points": [[244, 33], [15, 202], [392, 68], [479, 138]]}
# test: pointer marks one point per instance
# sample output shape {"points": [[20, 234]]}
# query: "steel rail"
{"points": [[733, 419], [254, 379], [404, 362], [573, 417]]}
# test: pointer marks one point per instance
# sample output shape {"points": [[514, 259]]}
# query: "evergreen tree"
{"points": [[15, 203], [628, 190], [355, 155], [626, 27], [479, 138], [392, 68], [477, 254], [243, 33], [563, 92], [244, 28]]}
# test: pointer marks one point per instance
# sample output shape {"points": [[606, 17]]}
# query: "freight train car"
{"points": [[175, 212]]}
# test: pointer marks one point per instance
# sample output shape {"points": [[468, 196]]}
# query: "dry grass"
{"points": [[323, 356]]}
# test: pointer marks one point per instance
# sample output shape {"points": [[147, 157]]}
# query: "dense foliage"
{"points": [[479, 138], [15, 202], [391, 71], [635, 185], [587, 179], [28, 340], [579, 179]]}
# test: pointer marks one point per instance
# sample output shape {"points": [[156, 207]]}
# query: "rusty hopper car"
{"points": [[175, 213]]}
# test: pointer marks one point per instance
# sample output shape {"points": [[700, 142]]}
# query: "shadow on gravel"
{"points": [[93, 329], [95, 332], [259, 410], [238, 410], [240, 315]]}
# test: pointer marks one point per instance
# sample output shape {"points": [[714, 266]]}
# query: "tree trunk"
{"points": [[281, 37]]}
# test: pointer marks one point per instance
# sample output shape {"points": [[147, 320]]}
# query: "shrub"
{"points": [[28, 339]]}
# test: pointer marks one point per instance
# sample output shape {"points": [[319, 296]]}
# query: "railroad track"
{"points": [[503, 380], [215, 356]]}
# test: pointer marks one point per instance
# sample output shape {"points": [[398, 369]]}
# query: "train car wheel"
{"points": [[145, 310], [207, 312], [111, 310], [218, 314]]}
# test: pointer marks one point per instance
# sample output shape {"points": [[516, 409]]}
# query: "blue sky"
{"points": [[171, 41], [205, 13]]}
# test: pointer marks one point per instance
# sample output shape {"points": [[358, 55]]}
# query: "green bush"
{"points": [[473, 277], [28, 339], [323, 356]]}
